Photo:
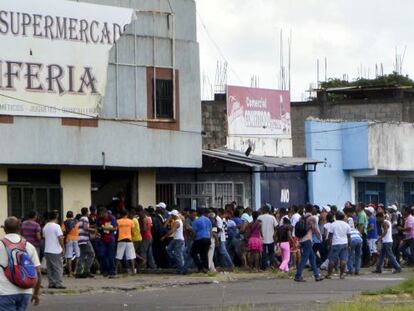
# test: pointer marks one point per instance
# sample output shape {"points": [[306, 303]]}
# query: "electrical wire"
{"points": [[134, 123]]}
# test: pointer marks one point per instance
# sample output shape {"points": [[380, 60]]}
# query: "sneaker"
{"points": [[377, 272], [396, 271], [301, 280], [328, 277], [319, 279]]}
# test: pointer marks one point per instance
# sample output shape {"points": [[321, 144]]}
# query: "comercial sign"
{"points": [[54, 56], [254, 112]]}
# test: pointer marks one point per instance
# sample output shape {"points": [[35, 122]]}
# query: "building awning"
{"points": [[259, 161]]}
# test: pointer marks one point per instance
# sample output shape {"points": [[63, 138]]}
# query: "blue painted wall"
{"points": [[342, 146], [355, 145]]}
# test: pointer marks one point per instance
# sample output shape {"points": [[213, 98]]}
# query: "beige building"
{"points": [[150, 118]]}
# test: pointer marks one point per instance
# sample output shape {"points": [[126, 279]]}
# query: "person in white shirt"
{"points": [[340, 240], [175, 248], [226, 260], [269, 224], [11, 296], [53, 235], [386, 249]]}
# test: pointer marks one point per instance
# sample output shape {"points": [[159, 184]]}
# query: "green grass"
{"points": [[370, 306], [406, 287], [395, 298]]}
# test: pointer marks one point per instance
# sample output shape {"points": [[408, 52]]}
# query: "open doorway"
{"points": [[109, 187]]}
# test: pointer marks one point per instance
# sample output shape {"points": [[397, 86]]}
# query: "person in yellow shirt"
{"points": [[125, 246], [136, 237], [71, 232]]}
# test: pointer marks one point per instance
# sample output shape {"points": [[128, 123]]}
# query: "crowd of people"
{"points": [[117, 240]]}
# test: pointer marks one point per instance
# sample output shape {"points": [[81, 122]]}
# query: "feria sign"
{"points": [[54, 56]]}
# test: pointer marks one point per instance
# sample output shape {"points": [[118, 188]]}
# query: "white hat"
{"points": [[370, 209], [393, 207], [174, 212], [326, 209], [162, 205]]}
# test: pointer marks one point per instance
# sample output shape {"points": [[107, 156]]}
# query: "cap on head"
{"points": [[161, 205], [326, 209], [370, 209], [174, 212], [392, 207]]}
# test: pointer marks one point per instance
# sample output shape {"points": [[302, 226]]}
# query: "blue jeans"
{"points": [[307, 253], [18, 302], [189, 262], [407, 250], [354, 260], [175, 251], [106, 253], [224, 256], [268, 255], [386, 250]]}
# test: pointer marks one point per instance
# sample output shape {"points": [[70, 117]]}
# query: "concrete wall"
{"points": [[45, 141], [76, 185], [392, 146], [359, 151], [214, 116], [330, 184], [351, 110], [147, 187], [3, 198]]}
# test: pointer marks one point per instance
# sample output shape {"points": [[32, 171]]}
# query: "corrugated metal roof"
{"points": [[257, 161]]}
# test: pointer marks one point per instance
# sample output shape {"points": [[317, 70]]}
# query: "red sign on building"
{"points": [[257, 112]]}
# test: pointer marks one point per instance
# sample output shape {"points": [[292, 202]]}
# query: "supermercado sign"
{"points": [[255, 112], [54, 56]]}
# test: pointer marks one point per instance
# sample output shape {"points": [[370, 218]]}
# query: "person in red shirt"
{"points": [[106, 224]]}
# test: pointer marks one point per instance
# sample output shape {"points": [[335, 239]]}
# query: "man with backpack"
{"points": [[17, 255], [304, 229]]}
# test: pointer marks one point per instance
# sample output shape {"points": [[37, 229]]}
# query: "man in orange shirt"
{"points": [[71, 232], [125, 246]]}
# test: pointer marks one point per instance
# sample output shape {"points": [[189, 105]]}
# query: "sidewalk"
{"points": [[144, 281]]}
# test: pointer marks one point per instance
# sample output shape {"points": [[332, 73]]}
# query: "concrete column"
{"points": [[76, 185], [3, 198], [257, 188], [147, 187]]}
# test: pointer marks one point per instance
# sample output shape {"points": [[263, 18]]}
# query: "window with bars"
{"points": [[164, 102], [208, 194], [409, 193]]}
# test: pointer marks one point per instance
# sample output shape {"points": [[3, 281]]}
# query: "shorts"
{"points": [[338, 252], [127, 249], [372, 243], [255, 245], [72, 248]]}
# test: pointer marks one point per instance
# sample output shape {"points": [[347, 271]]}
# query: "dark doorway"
{"points": [[107, 186]]}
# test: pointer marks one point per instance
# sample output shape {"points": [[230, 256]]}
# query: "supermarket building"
{"points": [[147, 117]]}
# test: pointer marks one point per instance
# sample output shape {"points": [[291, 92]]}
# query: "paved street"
{"points": [[285, 294]]}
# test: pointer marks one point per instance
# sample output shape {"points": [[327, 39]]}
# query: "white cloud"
{"points": [[349, 33]]}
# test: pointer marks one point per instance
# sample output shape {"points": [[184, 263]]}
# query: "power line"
{"points": [[134, 123], [88, 116]]}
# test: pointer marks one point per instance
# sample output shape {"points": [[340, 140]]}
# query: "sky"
{"points": [[352, 35]]}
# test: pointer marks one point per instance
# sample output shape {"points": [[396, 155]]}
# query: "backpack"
{"points": [[301, 228], [20, 270]]}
